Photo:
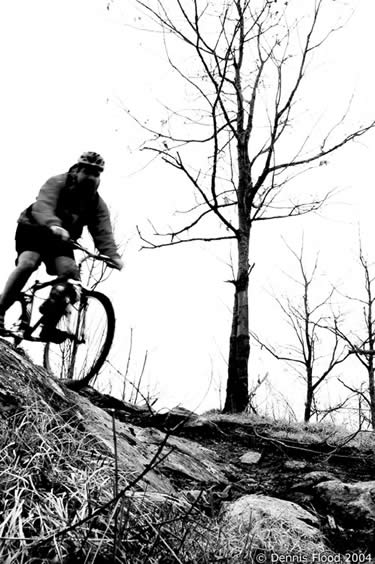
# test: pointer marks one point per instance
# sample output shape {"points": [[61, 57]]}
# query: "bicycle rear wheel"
{"points": [[91, 324]]}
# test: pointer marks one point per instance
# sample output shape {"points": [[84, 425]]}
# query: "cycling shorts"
{"points": [[41, 240]]}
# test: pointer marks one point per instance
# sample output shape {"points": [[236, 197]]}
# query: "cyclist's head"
{"points": [[91, 159], [89, 167]]}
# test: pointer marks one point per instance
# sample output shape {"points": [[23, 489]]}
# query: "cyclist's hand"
{"points": [[60, 232], [116, 263]]}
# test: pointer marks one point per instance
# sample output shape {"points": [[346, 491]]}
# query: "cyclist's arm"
{"points": [[100, 228], [44, 209]]}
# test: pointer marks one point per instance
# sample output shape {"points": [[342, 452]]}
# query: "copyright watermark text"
{"points": [[317, 558]]}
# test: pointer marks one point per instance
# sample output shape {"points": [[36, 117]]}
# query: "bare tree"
{"points": [[315, 353], [362, 342], [244, 63]]}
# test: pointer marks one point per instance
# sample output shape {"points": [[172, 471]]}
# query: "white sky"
{"points": [[66, 68]]}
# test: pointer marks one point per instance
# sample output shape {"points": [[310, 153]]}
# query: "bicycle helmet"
{"points": [[92, 159]]}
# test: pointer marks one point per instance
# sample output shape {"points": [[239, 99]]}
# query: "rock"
{"points": [[105, 401], [255, 516], [352, 505], [295, 465], [137, 446], [250, 457], [178, 418], [141, 452], [254, 508], [311, 479], [133, 455], [302, 498], [205, 497], [192, 496], [183, 458]]}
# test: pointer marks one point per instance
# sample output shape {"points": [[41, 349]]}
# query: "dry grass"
{"points": [[308, 433]]}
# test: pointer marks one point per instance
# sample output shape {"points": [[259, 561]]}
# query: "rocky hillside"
{"points": [[87, 478]]}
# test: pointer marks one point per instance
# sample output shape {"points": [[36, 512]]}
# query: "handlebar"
{"points": [[95, 256]]}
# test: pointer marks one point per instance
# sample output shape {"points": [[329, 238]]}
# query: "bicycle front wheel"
{"points": [[90, 325]]}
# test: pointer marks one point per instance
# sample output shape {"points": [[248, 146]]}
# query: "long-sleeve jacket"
{"points": [[60, 203]]}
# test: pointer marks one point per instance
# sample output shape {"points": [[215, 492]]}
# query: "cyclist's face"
{"points": [[88, 178]]}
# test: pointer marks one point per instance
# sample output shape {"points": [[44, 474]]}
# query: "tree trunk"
{"points": [[370, 365], [371, 375], [239, 345], [309, 397], [371, 344]]}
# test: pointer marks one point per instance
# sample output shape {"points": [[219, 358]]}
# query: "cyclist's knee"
{"points": [[66, 267], [28, 261]]}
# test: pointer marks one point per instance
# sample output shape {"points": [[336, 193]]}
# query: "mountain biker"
{"points": [[65, 204]]}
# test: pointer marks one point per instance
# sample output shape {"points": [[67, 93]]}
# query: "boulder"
{"points": [[296, 465], [250, 457], [255, 508], [157, 458], [273, 524], [351, 504], [182, 458], [311, 479]]}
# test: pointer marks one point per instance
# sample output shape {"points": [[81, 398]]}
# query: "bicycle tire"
{"points": [[63, 360]]}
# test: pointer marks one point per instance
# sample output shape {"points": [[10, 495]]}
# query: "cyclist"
{"points": [[65, 204]]}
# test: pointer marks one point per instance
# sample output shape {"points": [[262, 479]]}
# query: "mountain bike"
{"points": [[86, 327]]}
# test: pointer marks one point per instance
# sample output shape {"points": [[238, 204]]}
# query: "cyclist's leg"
{"points": [[27, 263], [66, 266], [55, 307], [29, 243], [67, 269]]}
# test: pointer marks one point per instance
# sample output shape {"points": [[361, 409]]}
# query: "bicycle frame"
{"points": [[27, 299], [25, 329]]}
